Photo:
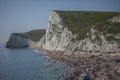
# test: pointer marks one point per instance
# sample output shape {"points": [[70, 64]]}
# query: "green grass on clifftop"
{"points": [[108, 27], [34, 35], [79, 20]]}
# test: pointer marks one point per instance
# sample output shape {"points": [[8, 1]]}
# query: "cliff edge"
{"points": [[24, 40], [17, 41], [82, 31]]}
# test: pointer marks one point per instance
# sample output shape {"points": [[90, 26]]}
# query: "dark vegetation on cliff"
{"points": [[34, 35], [80, 22]]}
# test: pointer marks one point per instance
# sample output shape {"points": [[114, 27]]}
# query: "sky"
{"points": [[26, 15]]}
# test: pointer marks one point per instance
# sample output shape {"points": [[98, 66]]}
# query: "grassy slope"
{"points": [[34, 35], [81, 21], [108, 27]]}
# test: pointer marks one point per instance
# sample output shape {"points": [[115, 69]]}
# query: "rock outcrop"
{"points": [[60, 37], [17, 41], [27, 39], [57, 36]]}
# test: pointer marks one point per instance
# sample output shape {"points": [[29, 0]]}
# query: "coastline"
{"points": [[96, 66]]}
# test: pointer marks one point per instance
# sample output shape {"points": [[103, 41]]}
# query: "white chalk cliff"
{"points": [[26, 39], [59, 37], [17, 41]]}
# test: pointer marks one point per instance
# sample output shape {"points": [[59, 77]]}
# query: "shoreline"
{"points": [[94, 66]]}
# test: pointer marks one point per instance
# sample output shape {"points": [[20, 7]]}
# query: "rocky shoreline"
{"points": [[87, 66]]}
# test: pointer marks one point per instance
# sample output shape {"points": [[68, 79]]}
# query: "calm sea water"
{"points": [[26, 64]]}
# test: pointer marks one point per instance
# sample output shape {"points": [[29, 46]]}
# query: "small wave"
{"points": [[47, 57]]}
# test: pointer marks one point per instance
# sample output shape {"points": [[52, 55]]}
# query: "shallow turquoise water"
{"points": [[25, 64]]}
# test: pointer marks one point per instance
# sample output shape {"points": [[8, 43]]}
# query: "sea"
{"points": [[29, 64]]}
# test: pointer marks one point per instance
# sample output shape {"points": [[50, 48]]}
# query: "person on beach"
{"points": [[86, 77]]}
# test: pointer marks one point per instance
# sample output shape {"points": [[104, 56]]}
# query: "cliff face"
{"points": [[17, 41], [27, 39], [57, 36], [101, 36], [75, 31], [96, 42]]}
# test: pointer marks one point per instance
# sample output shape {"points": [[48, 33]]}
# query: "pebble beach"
{"points": [[89, 66]]}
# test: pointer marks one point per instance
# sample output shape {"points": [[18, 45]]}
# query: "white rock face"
{"points": [[41, 43], [116, 19], [32, 44], [58, 37], [16, 41], [97, 43]]}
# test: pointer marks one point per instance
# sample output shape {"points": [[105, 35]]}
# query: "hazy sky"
{"points": [[25, 15]]}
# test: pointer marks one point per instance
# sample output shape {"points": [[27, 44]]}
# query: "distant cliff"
{"points": [[24, 40], [82, 31], [17, 41]]}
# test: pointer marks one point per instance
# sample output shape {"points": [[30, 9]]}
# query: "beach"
{"points": [[92, 66]]}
